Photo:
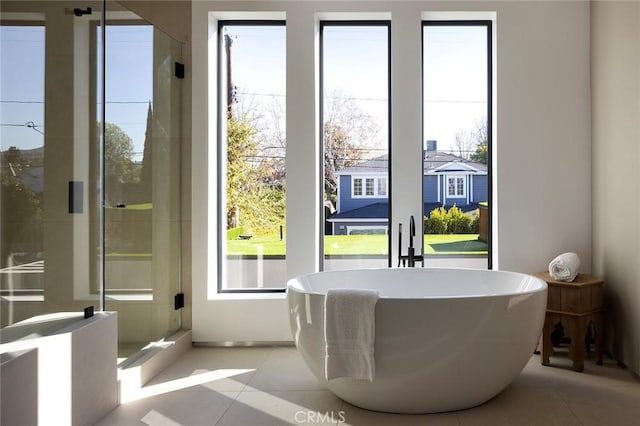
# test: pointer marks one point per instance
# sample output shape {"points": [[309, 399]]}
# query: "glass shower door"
{"points": [[141, 180]]}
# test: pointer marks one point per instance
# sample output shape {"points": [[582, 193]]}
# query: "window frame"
{"points": [[386, 23], [488, 24], [221, 167], [363, 186], [457, 194]]}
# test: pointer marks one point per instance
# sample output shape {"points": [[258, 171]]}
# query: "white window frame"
{"points": [[464, 186], [376, 186]]}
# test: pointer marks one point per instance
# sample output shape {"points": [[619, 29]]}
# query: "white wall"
{"points": [[542, 141], [615, 67]]}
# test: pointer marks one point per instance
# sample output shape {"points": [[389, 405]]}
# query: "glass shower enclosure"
{"points": [[90, 156]]}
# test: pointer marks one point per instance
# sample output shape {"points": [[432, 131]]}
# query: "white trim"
{"points": [[338, 194], [458, 164], [376, 179], [464, 187]]}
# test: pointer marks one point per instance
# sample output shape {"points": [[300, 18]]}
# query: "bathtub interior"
{"points": [[410, 283]]}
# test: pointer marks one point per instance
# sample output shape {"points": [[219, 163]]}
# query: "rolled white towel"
{"points": [[565, 267]]}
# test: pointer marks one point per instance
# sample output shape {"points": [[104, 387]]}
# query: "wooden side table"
{"points": [[575, 305]]}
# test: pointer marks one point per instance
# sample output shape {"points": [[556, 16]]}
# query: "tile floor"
{"points": [[272, 386]]}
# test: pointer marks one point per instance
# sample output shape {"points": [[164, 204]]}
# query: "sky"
{"points": [[21, 87], [129, 83], [355, 66]]}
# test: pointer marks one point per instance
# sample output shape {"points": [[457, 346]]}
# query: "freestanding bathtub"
{"points": [[445, 339]]}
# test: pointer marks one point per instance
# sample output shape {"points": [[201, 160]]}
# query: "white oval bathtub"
{"points": [[445, 339]]}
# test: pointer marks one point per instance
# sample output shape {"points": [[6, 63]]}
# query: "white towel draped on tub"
{"points": [[349, 330], [565, 267]]}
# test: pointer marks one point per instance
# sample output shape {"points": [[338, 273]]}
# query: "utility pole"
{"points": [[228, 41]]}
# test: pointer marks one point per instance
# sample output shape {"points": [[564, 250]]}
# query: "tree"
{"points": [[339, 153], [21, 219], [13, 156], [464, 142], [119, 165], [118, 154], [349, 136], [482, 139], [241, 177]]}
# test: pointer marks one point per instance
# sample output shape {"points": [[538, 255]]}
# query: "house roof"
{"points": [[380, 211], [371, 211], [434, 162]]}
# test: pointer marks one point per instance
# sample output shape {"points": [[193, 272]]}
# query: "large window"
{"points": [[355, 143], [22, 129], [252, 160], [457, 137]]}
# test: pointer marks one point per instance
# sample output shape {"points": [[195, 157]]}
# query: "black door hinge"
{"points": [[178, 301]]}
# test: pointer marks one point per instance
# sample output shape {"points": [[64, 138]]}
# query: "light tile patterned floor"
{"points": [[272, 386]]}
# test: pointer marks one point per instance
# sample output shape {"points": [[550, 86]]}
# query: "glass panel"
{"points": [[52, 198], [355, 116], [142, 175], [456, 109], [47, 134], [22, 88], [357, 187], [253, 245]]}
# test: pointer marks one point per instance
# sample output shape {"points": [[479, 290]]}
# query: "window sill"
{"points": [[249, 296]]}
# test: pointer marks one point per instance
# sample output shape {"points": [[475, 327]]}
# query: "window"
{"points": [[456, 186], [22, 164], [252, 160], [373, 187], [354, 81], [457, 107]]}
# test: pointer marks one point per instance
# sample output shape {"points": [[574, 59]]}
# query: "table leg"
{"points": [[598, 330], [550, 321], [577, 350]]}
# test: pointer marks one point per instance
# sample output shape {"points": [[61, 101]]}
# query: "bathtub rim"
{"points": [[294, 284]]}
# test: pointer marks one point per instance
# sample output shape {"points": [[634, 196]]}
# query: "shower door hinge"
{"points": [[178, 301], [179, 70]]}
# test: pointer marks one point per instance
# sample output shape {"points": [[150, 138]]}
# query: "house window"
{"points": [[373, 187], [456, 186], [382, 186], [252, 161], [357, 187]]}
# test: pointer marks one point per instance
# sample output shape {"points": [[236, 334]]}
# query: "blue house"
{"points": [[363, 205]]}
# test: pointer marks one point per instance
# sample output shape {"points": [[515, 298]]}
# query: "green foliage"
{"points": [[459, 222], [253, 200], [22, 225], [118, 155], [453, 221], [437, 222], [475, 223], [480, 155]]}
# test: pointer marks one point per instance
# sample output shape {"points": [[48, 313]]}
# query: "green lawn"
{"points": [[448, 244]]}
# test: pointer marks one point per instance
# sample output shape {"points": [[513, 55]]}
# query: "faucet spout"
{"points": [[412, 231], [411, 258]]}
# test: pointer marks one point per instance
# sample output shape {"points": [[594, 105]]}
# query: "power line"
{"points": [[28, 124]]}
